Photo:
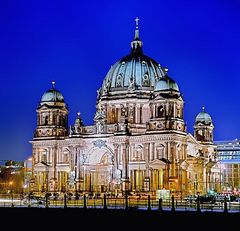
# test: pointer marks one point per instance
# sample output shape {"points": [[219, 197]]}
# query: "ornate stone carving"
{"points": [[99, 143]]}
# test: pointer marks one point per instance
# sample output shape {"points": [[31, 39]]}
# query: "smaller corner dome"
{"points": [[203, 117], [165, 84], [52, 95], [78, 120]]}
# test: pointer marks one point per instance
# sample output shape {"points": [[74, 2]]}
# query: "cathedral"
{"points": [[138, 141]]}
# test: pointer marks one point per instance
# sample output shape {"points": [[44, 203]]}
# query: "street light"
{"points": [[11, 189]]}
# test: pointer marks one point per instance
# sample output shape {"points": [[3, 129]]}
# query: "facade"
{"points": [[229, 156], [138, 142]]}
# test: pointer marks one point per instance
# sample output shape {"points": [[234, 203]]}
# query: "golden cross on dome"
{"points": [[137, 20]]}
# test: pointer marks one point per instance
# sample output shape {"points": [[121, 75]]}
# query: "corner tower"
{"points": [[203, 128], [52, 116]]}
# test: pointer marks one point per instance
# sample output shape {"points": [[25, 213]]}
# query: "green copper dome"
{"points": [[135, 72], [166, 84], [203, 117], [52, 95]]}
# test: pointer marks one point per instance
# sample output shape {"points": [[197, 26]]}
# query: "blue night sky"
{"points": [[76, 42]]}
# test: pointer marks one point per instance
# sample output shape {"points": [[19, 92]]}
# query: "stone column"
{"points": [[147, 178], [141, 114], [154, 111], [167, 169], [53, 175], [77, 168], [136, 114], [125, 177], [173, 158], [150, 151], [116, 164]]}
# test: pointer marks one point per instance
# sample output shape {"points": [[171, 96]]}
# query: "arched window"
{"points": [[54, 120], [138, 154], [46, 120], [160, 111], [65, 157], [63, 121], [43, 155], [160, 152], [179, 111]]}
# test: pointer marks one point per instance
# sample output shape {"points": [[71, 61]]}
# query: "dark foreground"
{"points": [[115, 219]]}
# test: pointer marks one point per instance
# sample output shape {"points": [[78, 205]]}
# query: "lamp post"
{"points": [[84, 185], [11, 190]]}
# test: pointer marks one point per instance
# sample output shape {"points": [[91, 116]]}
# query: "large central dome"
{"points": [[135, 73]]}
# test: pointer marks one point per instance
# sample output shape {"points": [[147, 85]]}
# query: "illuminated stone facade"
{"points": [[138, 141]]}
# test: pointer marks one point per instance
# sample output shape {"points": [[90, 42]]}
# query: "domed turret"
{"points": [[203, 128], [52, 116], [166, 84], [78, 125], [52, 95], [203, 117]]}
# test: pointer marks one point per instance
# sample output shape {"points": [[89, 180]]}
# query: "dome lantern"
{"points": [[203, 128], [136, 44]]}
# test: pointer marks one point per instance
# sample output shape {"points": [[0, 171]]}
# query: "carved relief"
{"points": [[99, 143], [131, 83]]}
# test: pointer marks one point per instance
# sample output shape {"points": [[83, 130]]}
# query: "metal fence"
{"points": [[105, 202]]}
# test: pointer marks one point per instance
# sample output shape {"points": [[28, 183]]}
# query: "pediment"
{"points": [[157, 164], [45, 106], [40, 165], [211, 164]]}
